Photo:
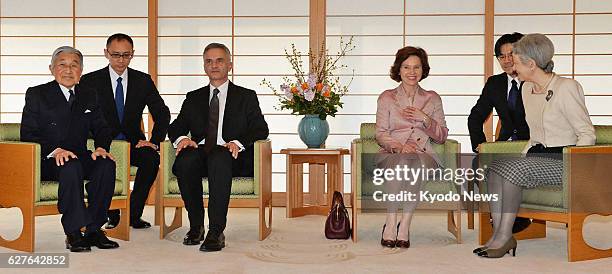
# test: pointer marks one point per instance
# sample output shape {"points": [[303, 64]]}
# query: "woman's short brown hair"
{"points": [[403, 54]]}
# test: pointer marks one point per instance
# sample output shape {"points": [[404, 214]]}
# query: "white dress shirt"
{"points": [[124, 81]]}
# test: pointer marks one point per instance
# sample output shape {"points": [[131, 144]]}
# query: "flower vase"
{"points": [[313, 130]]}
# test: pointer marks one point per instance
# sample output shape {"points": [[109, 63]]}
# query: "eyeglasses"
{"points": [[125, 55], [505, 56]]}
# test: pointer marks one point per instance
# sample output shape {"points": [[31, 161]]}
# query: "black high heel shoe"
{"points": [[401, 243], [500, 252], [386, 243], [479, 250]]}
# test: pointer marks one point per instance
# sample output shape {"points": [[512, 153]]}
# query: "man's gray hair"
{"points": [[539, 48], [66, 49], [218, 46]]}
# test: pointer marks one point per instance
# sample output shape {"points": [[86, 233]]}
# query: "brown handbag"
{"points": [[338, 225]]}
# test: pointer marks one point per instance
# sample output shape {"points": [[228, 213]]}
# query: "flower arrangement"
{"points": [[317, 92]]}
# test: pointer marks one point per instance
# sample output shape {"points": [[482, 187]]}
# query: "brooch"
{"points": [[549, 95]]}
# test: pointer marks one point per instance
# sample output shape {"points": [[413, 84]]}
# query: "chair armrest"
{"points": [[356, 159], [502, 147], [167, 157], [587, 173], [262, 163], [20, 173], [121, 152], [452, 149]]}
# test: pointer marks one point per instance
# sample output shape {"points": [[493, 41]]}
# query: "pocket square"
{"points": [[87, 111]]}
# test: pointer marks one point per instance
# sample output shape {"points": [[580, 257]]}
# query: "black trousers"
{"points": [[71, 204], [147, 161], [190, 166]]}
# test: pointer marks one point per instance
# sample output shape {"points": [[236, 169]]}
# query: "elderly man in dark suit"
{"points": [[223, 120], [502, 92], [124, 93], [60, 115]]}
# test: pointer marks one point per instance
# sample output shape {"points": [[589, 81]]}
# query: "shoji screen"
{"points": [[581, 31], [257, 32], [452, 32], [32, 29], [593, 58]]}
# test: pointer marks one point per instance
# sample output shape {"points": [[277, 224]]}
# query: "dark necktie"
{"points": [[513, 96], [119, 105], [213, 122], [71, 98]]}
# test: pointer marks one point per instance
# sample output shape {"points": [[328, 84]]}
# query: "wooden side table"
{"points": [[317, 159]]}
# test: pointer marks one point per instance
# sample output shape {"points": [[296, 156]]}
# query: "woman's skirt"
{"points": [[531, 171]]}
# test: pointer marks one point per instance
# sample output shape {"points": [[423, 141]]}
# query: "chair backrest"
{"points": [[9, 132], [603, 134]]}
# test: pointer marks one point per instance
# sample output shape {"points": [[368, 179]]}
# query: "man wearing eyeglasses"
{"points": [[502, 92], [123, 93]]}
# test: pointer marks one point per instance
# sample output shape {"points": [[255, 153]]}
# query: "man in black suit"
{"points": [[502, 92], [224, 120], [60, 115], [123, 93]]}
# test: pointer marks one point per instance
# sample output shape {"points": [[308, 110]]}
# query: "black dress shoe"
{"points": [[77, 243], [140, 224], [520, 224], [214, 241], [113, 219], [194, 236], [98, 239]]}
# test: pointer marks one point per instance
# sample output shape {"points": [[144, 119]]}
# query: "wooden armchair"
{"points": [[245, 192], [366, 144], [22, 188], [586, 190]]}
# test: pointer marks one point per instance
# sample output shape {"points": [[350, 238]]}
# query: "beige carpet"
{"points": [[298, 246]]}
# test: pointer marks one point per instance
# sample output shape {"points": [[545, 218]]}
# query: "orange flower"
{"points": [[294, 90], [304, 86], [326, 93], [319, 86]]}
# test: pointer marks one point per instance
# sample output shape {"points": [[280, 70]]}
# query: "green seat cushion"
{"points": [[240, 186], [48, 190], [548, 197], [603, 134]]}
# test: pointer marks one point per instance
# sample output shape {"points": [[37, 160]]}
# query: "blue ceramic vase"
{"points": [[313, 131]]}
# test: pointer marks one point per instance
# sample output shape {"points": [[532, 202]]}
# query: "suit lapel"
{"points": [[56, 96], [108, 95], [60, 105], [79, 106], [131, 92], [502, 90], [230, 102], [205, 106]]}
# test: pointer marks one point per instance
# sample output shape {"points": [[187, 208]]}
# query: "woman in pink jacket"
{"points": [[408, 119]]}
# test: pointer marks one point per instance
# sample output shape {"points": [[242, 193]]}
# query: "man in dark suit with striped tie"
{"points": [[60, 115], [224, 121]]}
